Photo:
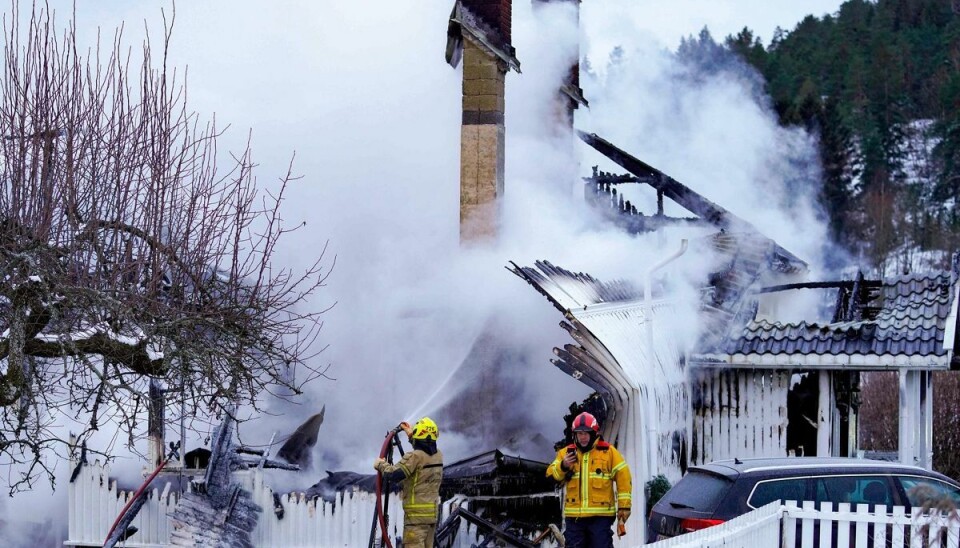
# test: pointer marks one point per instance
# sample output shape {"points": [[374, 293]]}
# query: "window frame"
{"points": [[894, 486]]}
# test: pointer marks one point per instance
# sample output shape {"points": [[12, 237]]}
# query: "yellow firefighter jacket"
{"points": [[589, 486], [420, 486]]}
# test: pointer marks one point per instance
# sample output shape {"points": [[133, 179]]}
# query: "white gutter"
{"points": [[652, 426]]}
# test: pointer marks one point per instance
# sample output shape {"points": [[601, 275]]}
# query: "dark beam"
{"points": [[671, 188], [491, 528], [847, 284], [676, 191]]}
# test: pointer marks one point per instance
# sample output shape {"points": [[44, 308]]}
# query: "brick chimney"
{"points": [[479, 35]]}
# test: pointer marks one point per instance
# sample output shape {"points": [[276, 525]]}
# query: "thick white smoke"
{"points": [[362, 94], [711, 130]]}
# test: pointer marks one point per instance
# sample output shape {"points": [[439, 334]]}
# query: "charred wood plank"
{"points": [[495, 529]]}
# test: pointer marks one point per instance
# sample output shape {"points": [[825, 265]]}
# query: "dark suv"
{"points": [[722, 490]]}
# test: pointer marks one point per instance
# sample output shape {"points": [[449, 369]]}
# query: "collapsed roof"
{"points": [[909, 321], [745, 257]]}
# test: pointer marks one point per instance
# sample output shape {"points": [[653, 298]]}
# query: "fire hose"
{"points": [[383, 489]]}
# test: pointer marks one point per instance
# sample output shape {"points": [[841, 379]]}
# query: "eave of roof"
{"points": [[480, 33], [865, 362], [950, 329]]}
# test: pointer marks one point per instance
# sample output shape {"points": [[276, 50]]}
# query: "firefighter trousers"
{"points": [[591, 532], [419, 536]]}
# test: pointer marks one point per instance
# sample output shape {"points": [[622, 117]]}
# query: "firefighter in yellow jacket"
{"points": [[589, 467], [419, 473]]}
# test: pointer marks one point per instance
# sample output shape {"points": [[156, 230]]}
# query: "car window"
{"points": [[768, 491], [921, 491], [698, 491], [854, 489]]}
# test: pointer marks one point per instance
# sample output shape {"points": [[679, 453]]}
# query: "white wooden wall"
{"points": [[642, 367], [659, 405], [738, 414]]}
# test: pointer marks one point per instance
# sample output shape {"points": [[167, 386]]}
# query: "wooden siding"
{"points": [[738, 414]]}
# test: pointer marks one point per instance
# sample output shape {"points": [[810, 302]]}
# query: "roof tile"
{"points": [[911, 320]]}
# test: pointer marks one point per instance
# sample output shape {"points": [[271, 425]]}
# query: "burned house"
{"points": [[752, 385]]}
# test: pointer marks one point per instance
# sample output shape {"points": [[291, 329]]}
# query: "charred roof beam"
{"points": [[681, 194], [623, 212], [490, 529], [673, 189], [848, 284]]}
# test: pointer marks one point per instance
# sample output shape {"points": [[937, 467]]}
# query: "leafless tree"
{"points": [[879, 427], [946, 423], [128, 252]]}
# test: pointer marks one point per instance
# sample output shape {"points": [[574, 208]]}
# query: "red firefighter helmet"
{"points": [[585, 422]]}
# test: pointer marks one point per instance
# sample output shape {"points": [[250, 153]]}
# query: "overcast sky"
{"points": [[668, 20]]}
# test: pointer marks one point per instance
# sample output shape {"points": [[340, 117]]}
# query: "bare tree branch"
{"points": [[129, 249]]}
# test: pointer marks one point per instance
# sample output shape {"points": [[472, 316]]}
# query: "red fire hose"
{"points": [[135, 496], [386, 452], [384, 449]]}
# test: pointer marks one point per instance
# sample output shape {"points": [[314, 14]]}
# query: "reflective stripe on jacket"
{"points": [[589, 486], [420, 486]]}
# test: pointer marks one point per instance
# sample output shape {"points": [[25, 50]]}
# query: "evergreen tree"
{"points": [[837, 155], [886, 67], [749, 47]]}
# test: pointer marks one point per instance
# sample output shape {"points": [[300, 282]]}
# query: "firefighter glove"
{"points": [[377, 464], [623, 514]]}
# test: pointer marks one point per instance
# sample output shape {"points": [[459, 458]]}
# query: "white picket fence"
{"points": [[862, 528], [804, 526], [94, 502], [758, 529], [314, 522]]}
